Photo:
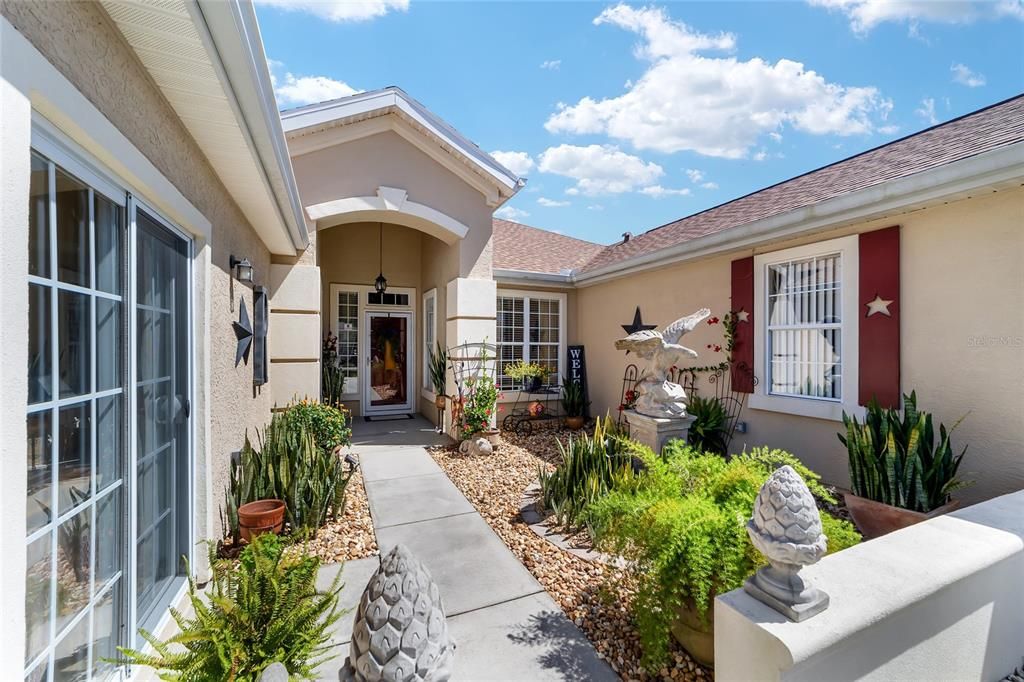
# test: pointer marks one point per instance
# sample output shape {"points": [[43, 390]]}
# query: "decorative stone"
{"points": [[400, 631], [476, 446], [658, 395], [275, 672], [786, 528], [655, 432]]}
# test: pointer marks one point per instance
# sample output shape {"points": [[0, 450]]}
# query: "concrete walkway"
{"points": [[505, 625]]}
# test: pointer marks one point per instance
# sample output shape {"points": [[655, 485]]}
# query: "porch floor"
{"points": [[504, 624]]}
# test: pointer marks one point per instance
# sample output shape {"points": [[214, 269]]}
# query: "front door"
{"points": [[389, 385]]}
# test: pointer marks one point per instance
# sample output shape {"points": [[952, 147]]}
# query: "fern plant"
{"points": [[263, 609], [681, 525], [589, 468], [895, 460]]}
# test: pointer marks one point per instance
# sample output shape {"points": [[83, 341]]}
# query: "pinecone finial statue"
{"points": [[786, 528], [400, 632]]}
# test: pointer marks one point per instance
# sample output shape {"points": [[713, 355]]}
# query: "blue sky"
{"points": [[625, 117]]}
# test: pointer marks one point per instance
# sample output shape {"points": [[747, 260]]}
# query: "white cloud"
{"points": [[340, 10], [717, 106], [552, 203], [761, 155], [775, 136], [963, 75], [710, 185], [551, 64], [694, 175], [595, 207], [598, 169], [659, 192], [293, 91], [510, 213], [865, 15], [927, 111], [519, 163]]}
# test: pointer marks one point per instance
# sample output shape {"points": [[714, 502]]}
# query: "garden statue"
{"points": [[659, 396], [476, 447], [400, 632], [786, 528]]}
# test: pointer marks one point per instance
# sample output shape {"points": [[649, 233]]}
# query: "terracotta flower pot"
{"points": [[261, 516], [439, 402], [574, 423], [875, 519], [493, 436], [696, 635]]}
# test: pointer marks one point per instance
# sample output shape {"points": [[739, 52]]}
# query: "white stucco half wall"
{"points": [[941, 600], [391, 205]]}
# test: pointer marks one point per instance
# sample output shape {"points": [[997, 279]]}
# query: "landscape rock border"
{"points": [[540, 524]]}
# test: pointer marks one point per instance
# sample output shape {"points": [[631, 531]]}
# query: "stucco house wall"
{"points": [[962, 335], [80, 41]]}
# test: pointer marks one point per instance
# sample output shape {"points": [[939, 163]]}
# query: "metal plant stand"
{"points": [[520, 421]]}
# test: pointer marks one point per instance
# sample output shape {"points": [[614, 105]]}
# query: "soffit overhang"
{"points": [[207, 59]]}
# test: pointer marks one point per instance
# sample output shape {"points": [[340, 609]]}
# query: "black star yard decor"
{"points": [[243, 332], [638, 324]]}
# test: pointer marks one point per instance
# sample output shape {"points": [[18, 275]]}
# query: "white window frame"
{"points": [[429, 297], [363, 291], [809, 406], [512, 396]]}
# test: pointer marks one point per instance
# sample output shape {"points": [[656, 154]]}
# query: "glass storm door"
{"points": [[161, 382], [389, 384]]}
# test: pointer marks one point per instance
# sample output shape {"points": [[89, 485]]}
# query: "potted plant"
{"points": [[899, 474], [261, 516], [573, 403], [680, 524], [530, 375], [437, 369]]}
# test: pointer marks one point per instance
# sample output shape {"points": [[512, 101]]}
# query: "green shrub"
{"points": [[573, 401], [262, 609], [896, 461], [481, 399], [682, 526], [589, 468], [328, 424], [708, 432], [288, 465]]}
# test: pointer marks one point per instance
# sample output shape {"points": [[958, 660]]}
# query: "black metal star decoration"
{"points": [[638, 324], [243, 332]]}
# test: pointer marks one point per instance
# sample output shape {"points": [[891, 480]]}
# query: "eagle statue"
{"points": [[659, 396]]}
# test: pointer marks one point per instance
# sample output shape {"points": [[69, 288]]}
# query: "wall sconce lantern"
{"points": [[242, 268], [380, 285]]}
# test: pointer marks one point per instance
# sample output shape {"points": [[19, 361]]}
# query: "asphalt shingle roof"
{"points": [[521, 247], [982, 131]]}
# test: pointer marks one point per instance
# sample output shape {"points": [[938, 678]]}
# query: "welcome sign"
{"points": [[578, 372]]}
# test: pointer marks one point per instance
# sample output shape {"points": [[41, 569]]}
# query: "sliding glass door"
{"points": [[161, 379], [107, 504]]}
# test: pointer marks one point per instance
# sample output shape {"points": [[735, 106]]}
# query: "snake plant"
{"points": [[894, 458]]}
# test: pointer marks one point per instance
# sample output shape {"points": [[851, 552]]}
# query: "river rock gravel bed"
{"points": [[351, 536], [594, 596]]}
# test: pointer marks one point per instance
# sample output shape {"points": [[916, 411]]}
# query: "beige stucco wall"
{"points": [[359, 167], [962, 328], [81, 42]]}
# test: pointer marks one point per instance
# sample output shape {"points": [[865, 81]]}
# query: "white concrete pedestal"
{"points": [[655, 432]]}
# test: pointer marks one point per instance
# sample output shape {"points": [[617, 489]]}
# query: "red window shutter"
{"points": [[879, 328], [742, 371]]}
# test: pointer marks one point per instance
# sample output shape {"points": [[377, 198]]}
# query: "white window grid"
{"points": [[429, 335], [348, 338], [48, 412], [805, 327], [529, 329]]}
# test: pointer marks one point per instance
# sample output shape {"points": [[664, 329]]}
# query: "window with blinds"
{"points": [[804, 327], [529, 329]]}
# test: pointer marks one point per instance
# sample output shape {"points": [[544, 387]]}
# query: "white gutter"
{"points": [[231, 29], [996, 169], [366, 102], [524, 277]]}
